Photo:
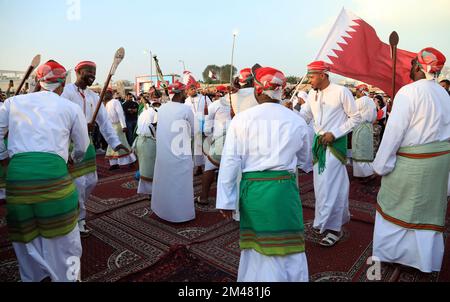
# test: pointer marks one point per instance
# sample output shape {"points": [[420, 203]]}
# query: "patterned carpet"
{"points": [[128, 243]]}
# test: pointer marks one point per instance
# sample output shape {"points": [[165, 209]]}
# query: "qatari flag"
{"points": [[354, 50], [189, 79]]}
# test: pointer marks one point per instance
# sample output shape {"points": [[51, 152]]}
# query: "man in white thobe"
{"points": [[87, 100], [216, 126], [241, 101], [362, 139], [199, 106], [244, 98], [410, 221], [266, 142], [334, 111], [116, 116], [145, 146], [45, 236], [173, 183]]}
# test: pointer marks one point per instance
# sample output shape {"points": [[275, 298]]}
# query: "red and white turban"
{"points": [[363, 88], [245, 76], [270, 81], [51, 75], [221, 89], [85, 64], [189, 80], [319, 67], [431, 61], [176, 87]]}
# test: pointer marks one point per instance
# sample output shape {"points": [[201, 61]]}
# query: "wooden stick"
{"points": [[34, 63], [160, 75], [118, 57], [393, 41]]}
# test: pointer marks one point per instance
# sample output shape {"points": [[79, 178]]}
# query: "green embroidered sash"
{"points": [[362, 143], [338, 149], [86, 166], [41, 198], [146, 152], [110, 153], [271, 213], [414, 194]]}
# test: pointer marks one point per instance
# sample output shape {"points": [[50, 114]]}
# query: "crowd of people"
{"points": [[253, 137]]}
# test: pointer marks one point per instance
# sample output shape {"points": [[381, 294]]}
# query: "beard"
{"points": [[89, 80]]}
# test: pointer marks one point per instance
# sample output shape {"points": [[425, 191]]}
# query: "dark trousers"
{"points": [[98, 140], [130, 131]]}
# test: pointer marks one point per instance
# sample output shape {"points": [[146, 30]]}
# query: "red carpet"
{"points": [[128, 243]]}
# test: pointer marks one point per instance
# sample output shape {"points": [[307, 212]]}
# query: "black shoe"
{"points": [[114, 167]]}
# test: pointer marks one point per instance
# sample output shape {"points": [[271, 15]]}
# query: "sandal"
{"points": [[316, 231], [330, 239], [199, 201]]}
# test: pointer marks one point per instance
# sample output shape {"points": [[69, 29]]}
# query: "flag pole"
{"points": [[232, 113], [297, 87], [393, 41], [318, 54]]}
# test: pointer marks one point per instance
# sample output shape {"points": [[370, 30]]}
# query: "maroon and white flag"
{"points": [[189, 79], [212, 75], [354, 50]]}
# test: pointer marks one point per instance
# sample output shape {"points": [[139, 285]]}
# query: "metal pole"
{"points": [[232, 59], [151, 66], [184, 66]]}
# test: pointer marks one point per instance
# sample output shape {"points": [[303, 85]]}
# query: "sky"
{"points": [[285, 34]]}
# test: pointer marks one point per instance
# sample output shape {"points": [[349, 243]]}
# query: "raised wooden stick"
{"points": [[118, 57], [393, 41], [35, 63]]}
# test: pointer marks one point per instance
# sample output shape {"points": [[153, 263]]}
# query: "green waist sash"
{"points": [[362, 143], [41, 198], [86, 166], [110, 153], [146, 152], [2, 170], [338, 149], [414, 194], [271, 213]]}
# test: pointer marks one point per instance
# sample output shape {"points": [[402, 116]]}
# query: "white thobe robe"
{"points": [[216, 125], [44, 122], [268, 137], [244, 99], [333, 110], [145, 128], [173, 181], [368, 111], [241, 101], [86, 184], [198, 105], [116, 115], [420, 115]]}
